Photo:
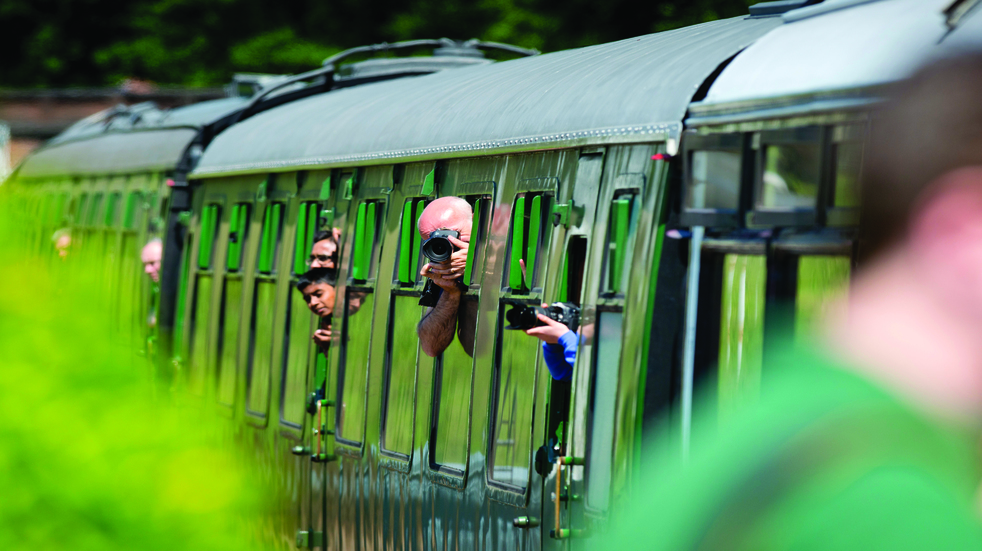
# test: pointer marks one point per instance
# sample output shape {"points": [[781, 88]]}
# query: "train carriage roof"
{"points": [[631, 90], [830, 56], [142, 140]]}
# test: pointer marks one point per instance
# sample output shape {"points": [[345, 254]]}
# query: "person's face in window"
{"points": [[319, 298], [322, 254]]}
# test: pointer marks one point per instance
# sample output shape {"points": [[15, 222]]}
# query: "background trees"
{"points": [[57, 43]]}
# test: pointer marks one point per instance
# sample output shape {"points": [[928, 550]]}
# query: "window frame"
{"points": [[787, 217], [734, 142]]}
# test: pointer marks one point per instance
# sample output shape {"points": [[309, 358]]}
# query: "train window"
{"points": [[258, 381], [182, 290], [847, 164], [450, 432], [408, 264], [133, 210], [228, 335], [353, 373], [400, 375], [269, 244], [94, 208], [607, 350], [481, 205], [110, 217], [529, 235], [367, 224], [238, 227], [306, 228], [820, 279], [295, 360], [621, 225], [714, 175], [209, 227], [790, 179], [741, 329], [514, 384], [79, 213]]}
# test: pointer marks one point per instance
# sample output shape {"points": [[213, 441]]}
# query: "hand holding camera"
{"points": [[547, 323], [447, 256]]}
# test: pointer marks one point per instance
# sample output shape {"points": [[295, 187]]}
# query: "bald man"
{"points": [[437, 328]]}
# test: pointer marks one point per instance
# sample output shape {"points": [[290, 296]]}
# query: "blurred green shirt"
{"points": [[825, 460]]}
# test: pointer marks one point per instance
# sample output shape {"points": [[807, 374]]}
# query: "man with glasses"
{"points": [[324, 253]]}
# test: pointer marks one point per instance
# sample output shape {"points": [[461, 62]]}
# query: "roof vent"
{"points": [[779, 7]]}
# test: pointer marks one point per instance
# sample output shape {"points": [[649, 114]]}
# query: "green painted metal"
{"points": [[358, 268], [109, 216], [259, 384], [400, 396], [300, 250], [472, 247], [227, 366], [370, 228], [129, 210], [515, 279], [561, 296], [535, 226], [349, 187], [312, 214], [406, 244], [741, 330], [417, 240], [428, 183], [261, 191], [182, 291], [621, 215], [209, 223], [93, 209], [271, 230], [821, 279], [560, 213], [237, 227], [325, 189]]}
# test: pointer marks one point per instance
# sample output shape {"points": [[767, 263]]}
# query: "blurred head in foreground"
{"points": [[62, 240], [868, 440], [150, 256]]}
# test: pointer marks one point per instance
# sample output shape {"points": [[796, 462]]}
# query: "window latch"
{"points": [[560, 213]]}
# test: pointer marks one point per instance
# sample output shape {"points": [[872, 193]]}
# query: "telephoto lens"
{"points": [[438, 248], [521, 317]]}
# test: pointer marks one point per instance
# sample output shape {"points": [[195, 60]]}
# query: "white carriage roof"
{"points": [[631, 90], [839, 45]]}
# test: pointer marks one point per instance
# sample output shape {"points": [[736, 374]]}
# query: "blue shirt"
{"points": [[561, 356]]}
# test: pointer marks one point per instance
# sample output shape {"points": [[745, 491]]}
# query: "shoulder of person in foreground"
{"points": [[825, 460]]}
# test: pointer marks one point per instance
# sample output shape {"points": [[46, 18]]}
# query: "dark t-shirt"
{"points": [[824, 461]]}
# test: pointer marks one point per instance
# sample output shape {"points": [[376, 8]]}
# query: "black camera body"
{"points": [[523, 317], [438, 248]]}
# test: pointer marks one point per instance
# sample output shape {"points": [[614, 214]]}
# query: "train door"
{"points": [[603, 433]]}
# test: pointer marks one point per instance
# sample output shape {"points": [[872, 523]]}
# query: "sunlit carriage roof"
{"points": [[833, 55], [631, 90]]}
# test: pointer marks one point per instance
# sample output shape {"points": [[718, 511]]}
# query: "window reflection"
{"points": [[790, 179], [715, 180], [848, 165]]}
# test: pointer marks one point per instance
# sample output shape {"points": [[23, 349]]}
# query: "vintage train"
{"points": [[694, 191]]}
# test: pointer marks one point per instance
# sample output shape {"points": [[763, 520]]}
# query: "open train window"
{"points": [[530, 231], [398, 413], [307, 219], [237, 235], [95, 206], [715, 172], [133, 211], [408, 262], [258, 381], [847, 165], [621, 228], [111, 215], [368, 223], [788, 177]]}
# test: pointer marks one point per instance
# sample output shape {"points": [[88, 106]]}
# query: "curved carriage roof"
{"points": [[631, 90], [830, 49], [148, 140]]}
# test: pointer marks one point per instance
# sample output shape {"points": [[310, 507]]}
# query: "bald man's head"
{"points": [[447, 213]]}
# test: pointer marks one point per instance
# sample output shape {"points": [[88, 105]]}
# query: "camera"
{"points": [[438, 248], [523, 317]]}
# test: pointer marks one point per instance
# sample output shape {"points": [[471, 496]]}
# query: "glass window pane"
{"points": [[232, 313], [790, 178], [741, 329], [453, 408], [848, 165], [296, 360], [608, 354], [401, 366], [820, 280], [199, 336], [355, 339], [715, 180], [511, 445], [263, 311]]}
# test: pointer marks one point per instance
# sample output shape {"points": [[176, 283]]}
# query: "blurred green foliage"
{"points": [[92, 456], [202, 42]]}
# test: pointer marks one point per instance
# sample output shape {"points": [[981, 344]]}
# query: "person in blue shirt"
{"points": [[558, 346]]}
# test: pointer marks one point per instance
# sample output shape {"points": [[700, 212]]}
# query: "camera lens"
{"points": [[437, 249]]}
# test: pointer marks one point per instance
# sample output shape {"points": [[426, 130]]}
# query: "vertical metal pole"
{"points": [[689, 346]]}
